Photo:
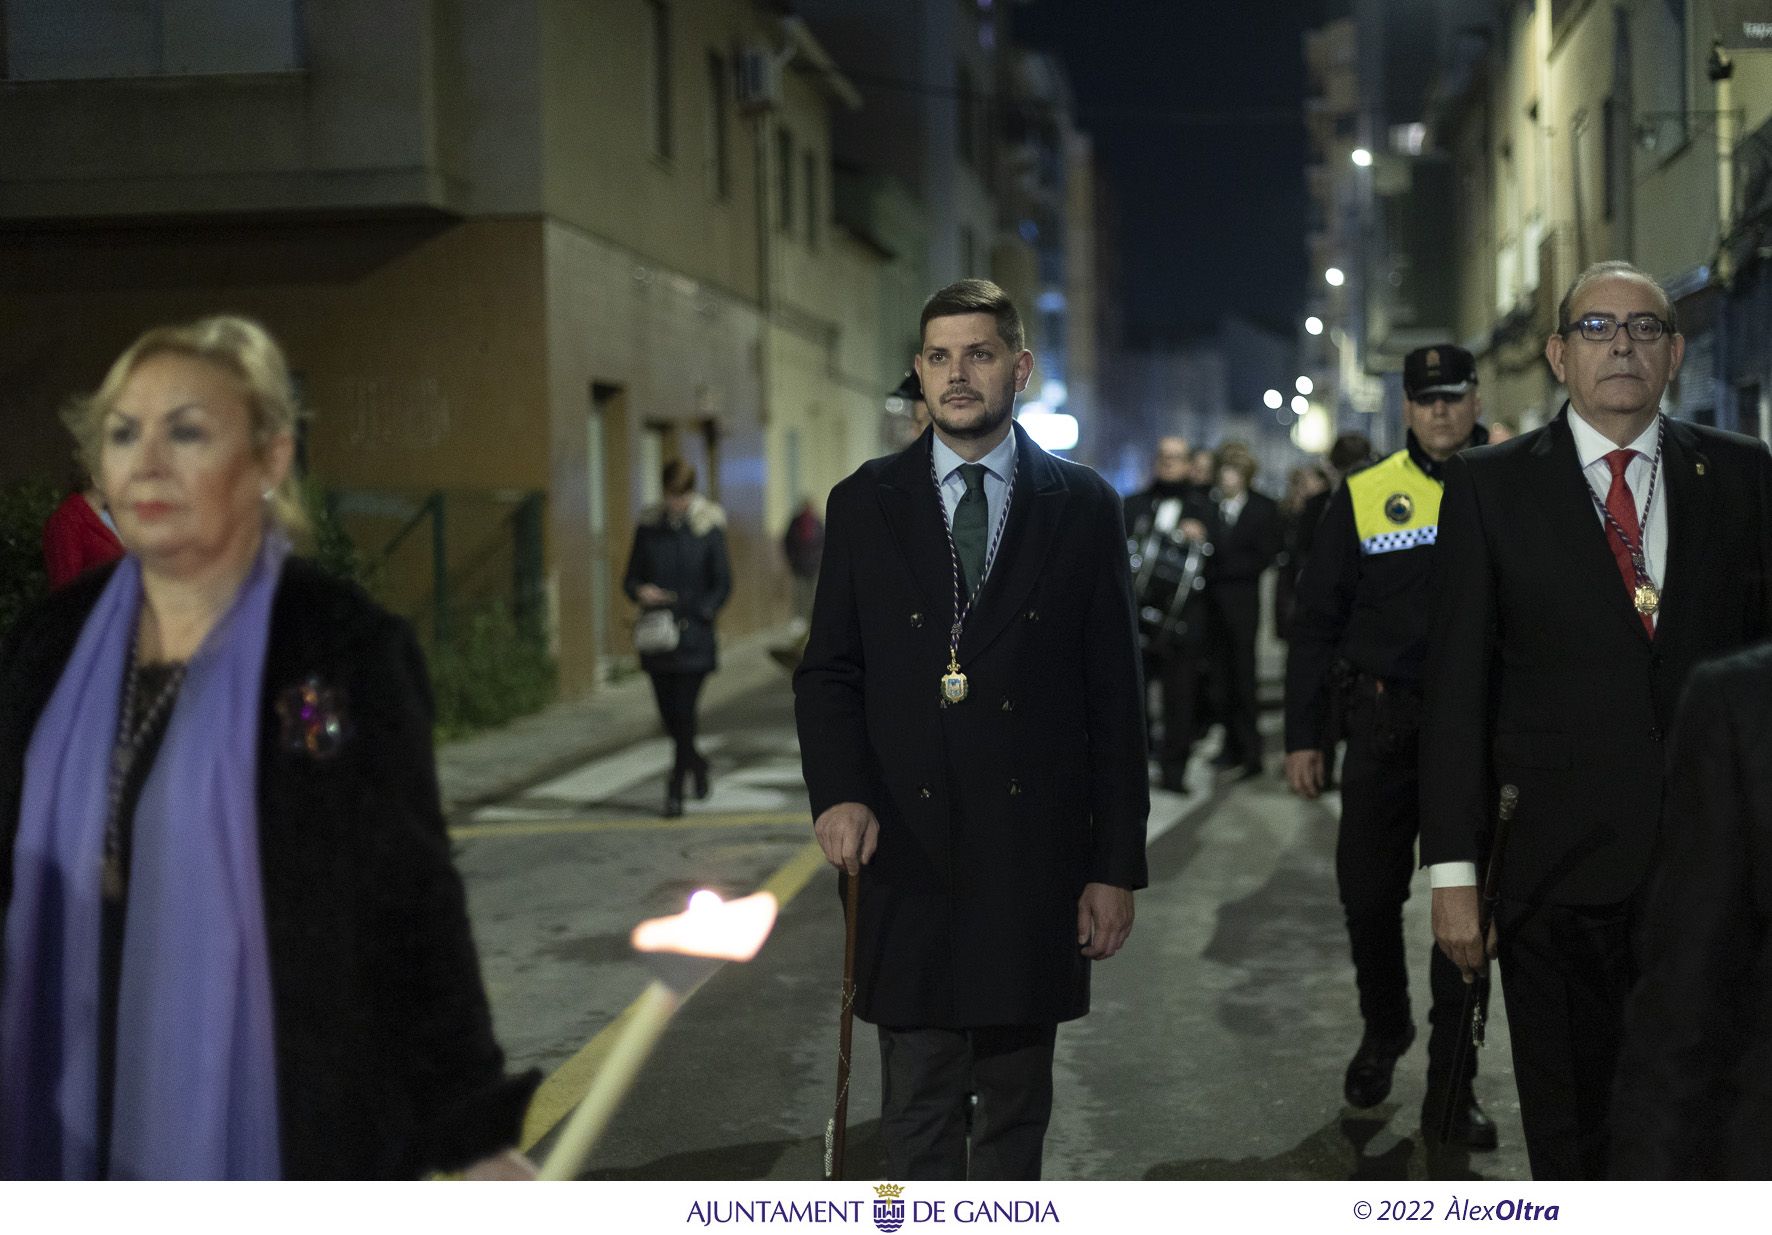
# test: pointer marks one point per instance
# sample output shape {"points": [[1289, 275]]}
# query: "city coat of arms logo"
{"points": [[1398, 507], [888, 1207]]}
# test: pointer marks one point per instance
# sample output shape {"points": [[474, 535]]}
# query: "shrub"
{"points": [[488, 673], [25, 506]]}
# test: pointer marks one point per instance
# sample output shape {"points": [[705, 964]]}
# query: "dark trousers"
{"points": [[677, 694], [1236, 612], [1176, 672], [1374, 862], [926, 1077], [1566, 971]]}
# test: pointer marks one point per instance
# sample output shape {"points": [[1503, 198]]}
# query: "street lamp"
{"points": [[1273, 399], [1334, 277], [1300, 405], [1362, 157], [1313, 325]]}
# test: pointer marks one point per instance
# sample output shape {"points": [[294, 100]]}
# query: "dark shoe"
{"points": [[1251, 771], [1368, 1079], [1471, 1126], [1174, 780], [698, 780], [673, 806]]}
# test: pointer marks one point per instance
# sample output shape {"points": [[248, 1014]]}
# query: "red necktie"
{"points": [[1622, 506]]}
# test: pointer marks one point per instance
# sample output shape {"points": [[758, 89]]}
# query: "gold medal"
{"points": [[953, 682], [1647, 599]]}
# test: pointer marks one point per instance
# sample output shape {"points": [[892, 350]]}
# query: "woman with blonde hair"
{"points": [[234, 944]]}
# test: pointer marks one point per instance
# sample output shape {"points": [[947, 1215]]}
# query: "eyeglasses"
{"points": [[1600, 328]]}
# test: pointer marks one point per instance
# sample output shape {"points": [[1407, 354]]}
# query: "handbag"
{"points": [[656, 632]]}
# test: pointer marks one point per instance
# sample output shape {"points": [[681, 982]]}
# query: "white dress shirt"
{"points": [[1232, 507], [1591, 448], [999, 465], [1168, 514]]}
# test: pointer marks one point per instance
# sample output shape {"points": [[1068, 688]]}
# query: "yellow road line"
{"points": [[566, 1088], [648, 823]]}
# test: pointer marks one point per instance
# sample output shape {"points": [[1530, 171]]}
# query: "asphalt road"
{"points": [[1215, 1048]]}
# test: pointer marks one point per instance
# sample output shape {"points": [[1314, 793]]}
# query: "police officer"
{"points": [[1362, 628]]}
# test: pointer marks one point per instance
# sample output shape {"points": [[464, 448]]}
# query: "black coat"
{"points": [[996, 811], [1693, 1099], [386, 1063], [1247, 547], [1539, 672], [688, 558]]}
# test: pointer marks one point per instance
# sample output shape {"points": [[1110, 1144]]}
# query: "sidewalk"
{"points": [[492, 765]]}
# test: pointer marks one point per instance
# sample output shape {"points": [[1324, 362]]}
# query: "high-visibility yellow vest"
{"points": [[1396, 505]]}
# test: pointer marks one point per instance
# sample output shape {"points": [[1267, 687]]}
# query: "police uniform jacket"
{"points": [[993, 812], [1540, 673], [1363, 596]]}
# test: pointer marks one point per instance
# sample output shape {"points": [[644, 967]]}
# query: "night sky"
{"points": [[1196, 109]]}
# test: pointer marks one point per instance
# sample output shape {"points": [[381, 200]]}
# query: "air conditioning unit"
{"points": [[759, 79]]}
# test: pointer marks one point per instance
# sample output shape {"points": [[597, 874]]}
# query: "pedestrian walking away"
{"points": [[972, 733], [1583, 570], [1361, 631], [679, 575]]}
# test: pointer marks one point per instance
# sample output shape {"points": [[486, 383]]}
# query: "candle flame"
{"points": [[710, 927]]}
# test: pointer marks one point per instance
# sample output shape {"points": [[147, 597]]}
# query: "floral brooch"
{"points": [[313, 716]]}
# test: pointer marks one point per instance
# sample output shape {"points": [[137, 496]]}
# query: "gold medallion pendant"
{"points": [[1648, 600], [953, 683]]}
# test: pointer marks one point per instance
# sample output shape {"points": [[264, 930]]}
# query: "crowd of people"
{"points": [[234, 944]]}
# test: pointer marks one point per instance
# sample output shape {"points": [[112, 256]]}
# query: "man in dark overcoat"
{"points": [[991, 790], [1692, 1099], [1583, 570]]}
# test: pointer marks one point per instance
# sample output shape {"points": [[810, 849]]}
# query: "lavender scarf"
{"points": [[196, 1083]]}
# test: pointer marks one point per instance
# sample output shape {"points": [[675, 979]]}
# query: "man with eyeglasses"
{"points": [[1583, 570], [1363, 603]]}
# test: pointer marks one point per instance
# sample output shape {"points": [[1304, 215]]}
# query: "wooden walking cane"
{"points": [[835, 1132], [1476, 992]]}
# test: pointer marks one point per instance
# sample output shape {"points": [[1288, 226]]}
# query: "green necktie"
{"points": [[970, 519]]}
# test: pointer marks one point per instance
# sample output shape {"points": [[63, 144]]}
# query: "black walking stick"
{"points": [[836, 1130], [1477, 991]]}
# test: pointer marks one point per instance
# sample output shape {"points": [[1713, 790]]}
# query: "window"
{"points": [[719, 152], [1662, 54], [809, 172], [784, 170], [72, 39], [661, 78], [966, 116]]}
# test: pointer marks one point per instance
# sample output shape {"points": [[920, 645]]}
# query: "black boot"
{"points": [[673, 806], [1471, 1126], [1368, 1080]]}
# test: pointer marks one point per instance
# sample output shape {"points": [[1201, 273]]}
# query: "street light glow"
{"points": [[1313, 325], [1304, 385], [1273, 399], [1334, 277], [1362, 157], [1300, 405]]}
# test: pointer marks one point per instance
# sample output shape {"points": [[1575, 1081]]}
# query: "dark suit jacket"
{"points": [[386, 1064], [1694, 1093], [996, 811], [1242, 551], [1540, 674]]}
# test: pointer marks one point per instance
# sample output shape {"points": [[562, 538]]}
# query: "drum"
{"points": [[1167, 572]]}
